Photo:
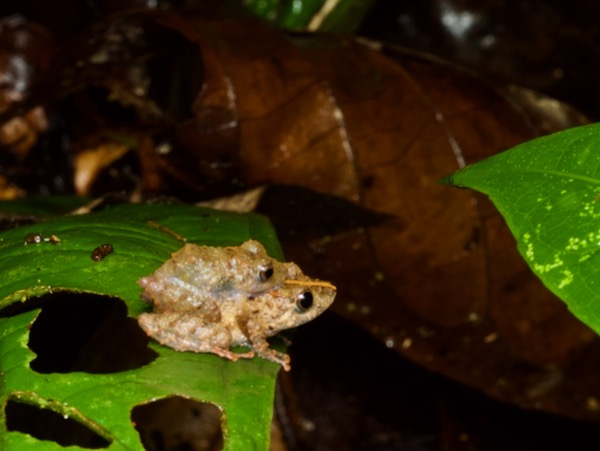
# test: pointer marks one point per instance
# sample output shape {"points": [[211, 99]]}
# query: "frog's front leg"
{"points": [[185, 331], [263, 350], [257, 337]]}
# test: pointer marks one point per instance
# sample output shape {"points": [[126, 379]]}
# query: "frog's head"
{"points": [[311, 297], [300, 299], [252, 270]]}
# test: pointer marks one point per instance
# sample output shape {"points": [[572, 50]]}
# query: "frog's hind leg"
{"points": [[227, 354], [184, 331]]}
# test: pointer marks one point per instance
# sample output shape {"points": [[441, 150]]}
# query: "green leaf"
{"points": [[294, 14], [42, 205], [548, 191], [338, 16], [141, 239], [345, 17]]}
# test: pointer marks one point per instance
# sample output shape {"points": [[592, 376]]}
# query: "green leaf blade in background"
{"points": [[141, 238], [338, 16], [548, 191], [42, 206]]}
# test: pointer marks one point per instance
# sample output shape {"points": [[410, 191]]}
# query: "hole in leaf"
{"points": [[178, 423], [84, 332], [45, 424]]}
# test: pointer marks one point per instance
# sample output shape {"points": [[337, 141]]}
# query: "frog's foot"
{"points": [[233, 356], [275, 356]]}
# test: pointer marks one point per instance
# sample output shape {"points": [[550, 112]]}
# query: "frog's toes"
{"points": [[233, 356], [275, 356]]}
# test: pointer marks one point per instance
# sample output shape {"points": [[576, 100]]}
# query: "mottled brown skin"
{"points": [[196, 275], [228, 308]]}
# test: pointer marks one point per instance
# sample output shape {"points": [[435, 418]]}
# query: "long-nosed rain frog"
{"points": [[208, 299]]}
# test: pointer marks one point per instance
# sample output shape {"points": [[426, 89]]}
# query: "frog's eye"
{"points": [[304, 301], [265, 273]]}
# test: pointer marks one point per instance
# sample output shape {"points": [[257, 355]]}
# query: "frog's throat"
{"points": [[310, 283]]}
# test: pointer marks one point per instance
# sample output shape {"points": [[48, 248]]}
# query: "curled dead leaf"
{"points": [[90, 162]]}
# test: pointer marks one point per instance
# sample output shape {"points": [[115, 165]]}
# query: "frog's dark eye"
{"points": [[265, 274], [304, 301]]}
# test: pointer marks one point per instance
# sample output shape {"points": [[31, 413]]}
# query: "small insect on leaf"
{"points": [[33, 238], [102, 251], [53, 239]]}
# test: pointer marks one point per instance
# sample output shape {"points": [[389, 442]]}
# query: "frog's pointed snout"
{"points": [[310, 283]]}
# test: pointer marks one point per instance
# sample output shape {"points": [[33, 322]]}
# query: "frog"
{"points": [[243, 314], [197, 274]]}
